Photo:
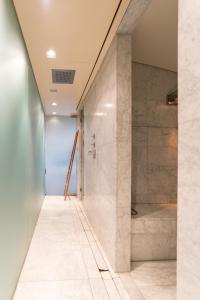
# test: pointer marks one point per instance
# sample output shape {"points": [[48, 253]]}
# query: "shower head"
{"points": [[172, 98]]}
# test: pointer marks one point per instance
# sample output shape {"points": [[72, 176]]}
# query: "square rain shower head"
{"points": [[63, 76]]}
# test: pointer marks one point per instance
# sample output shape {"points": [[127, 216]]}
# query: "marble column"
{"points": [[107, 173], [188, 284], [124, 151]]}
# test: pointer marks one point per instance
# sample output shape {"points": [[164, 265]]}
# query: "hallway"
{"points": [[99, 105], [64, 259]]}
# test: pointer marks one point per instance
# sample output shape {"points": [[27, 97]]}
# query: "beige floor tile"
{"points": [[154, 273], [63, 290], [76, 290], [83, 221], [106, 275], [38, 291], [159, 292], [90, 236], [90, 263], [121, 289], [112, 289], [131, 288], [98, 289], [54, 265]]}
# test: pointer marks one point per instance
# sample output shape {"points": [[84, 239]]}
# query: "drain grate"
{"points": [[63, 76]]}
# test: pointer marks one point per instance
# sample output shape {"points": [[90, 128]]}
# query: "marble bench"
{"points": [[154, 232]]}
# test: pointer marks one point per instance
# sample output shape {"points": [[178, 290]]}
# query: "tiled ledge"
{"points": [[154, 232]]}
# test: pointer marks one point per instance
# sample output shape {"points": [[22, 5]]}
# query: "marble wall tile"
{"points": [[163, 137], [188, 213], [163, 156], [187, 282], [140, 136], [188, 285], [154, 133], [150, 88], [140, 171], [124, 151], [162, 181], [188, 67], [107, 177], [139, 163], [154, 232], [154, 226], [148, 247], [99, 173]]}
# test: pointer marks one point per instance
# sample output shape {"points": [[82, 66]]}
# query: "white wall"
{"points": [[189, 151]]}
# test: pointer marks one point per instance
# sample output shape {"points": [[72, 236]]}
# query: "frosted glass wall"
{"points": [[21, 151]]}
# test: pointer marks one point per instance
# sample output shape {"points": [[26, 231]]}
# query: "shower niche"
{"points": [[154, 165]]}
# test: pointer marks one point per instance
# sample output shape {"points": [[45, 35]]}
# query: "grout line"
{"points": [[96, 242], [122, 290], [77, 212], [92, 249]]}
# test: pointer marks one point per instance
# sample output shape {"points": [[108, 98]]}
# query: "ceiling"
{"points": [[76, 31], [155, 38]]}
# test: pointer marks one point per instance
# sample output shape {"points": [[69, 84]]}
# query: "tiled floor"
{"points": [[151, 280], [64, 259], [64, 263]]}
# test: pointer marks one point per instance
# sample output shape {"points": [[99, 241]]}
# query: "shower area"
{"points": [[154, 163]]}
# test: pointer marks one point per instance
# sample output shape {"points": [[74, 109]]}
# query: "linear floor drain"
{"points": [[103, 270]]}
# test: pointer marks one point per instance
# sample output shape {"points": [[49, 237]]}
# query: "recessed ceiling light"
{"points": [[51, 53], [54, 113], [54, 104]]}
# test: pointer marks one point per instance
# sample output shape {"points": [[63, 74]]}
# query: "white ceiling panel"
{"points": [[75, 30]]}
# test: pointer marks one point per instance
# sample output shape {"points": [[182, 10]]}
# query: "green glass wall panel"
{"points": [[21, 150]]}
